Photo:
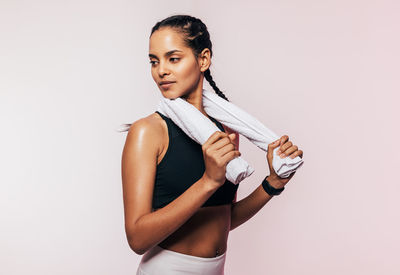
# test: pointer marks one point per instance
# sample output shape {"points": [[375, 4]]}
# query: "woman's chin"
{"points": [[171, 95]]}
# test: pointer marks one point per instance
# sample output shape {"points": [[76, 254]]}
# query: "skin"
{"points": [[205, 233]]}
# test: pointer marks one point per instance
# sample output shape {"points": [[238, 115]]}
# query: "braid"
{"points": [[207, 75]]}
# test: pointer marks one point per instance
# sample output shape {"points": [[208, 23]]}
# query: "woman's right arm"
{"points": [[145, 229]]}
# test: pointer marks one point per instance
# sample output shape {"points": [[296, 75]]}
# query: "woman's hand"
{"points": [[218, 150], [287, 148]]}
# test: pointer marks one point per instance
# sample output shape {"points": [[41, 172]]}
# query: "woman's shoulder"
{"points": [[149, 129], [150, 123]]}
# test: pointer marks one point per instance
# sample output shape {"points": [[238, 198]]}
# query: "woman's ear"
{"points": [[204, 60]]}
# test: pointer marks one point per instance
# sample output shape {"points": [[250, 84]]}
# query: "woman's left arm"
{"points": [[246, 208]]}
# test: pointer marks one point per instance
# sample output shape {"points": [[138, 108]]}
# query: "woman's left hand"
{"points": [[287, 148]]}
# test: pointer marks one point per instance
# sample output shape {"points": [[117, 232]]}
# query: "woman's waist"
{"points": [[205, 234], [205, 248]]}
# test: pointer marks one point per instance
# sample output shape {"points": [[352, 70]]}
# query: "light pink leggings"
{"points": [[158, 261]]}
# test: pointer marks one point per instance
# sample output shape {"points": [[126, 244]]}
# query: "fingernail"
{"points": [[282, 155], [278, 152]]}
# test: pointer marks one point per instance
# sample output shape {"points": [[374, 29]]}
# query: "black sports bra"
{"points": [[183, 165]]}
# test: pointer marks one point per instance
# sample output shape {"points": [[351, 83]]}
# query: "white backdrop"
{"points": [[324, 73]]}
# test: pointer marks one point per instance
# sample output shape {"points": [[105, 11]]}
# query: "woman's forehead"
{"points": [[166, 40]]}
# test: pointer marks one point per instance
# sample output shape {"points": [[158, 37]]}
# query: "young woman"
{"points": [[179, 207]]}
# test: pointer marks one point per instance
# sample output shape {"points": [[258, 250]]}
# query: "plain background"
{"points": [[326, 73]]}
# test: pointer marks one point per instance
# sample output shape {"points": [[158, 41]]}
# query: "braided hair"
{"points": [[195, 36]]}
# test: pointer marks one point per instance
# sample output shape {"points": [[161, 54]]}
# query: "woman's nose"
{"points": [[162, 69]]}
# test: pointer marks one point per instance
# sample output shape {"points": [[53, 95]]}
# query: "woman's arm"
{"points": [[144, 228], [246, 208], [249, 206], [152, 228]]}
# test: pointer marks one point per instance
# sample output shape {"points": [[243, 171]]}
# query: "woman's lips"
{"points": [[167, 85]]}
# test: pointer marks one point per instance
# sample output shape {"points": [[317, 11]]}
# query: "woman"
{"points": [[179, 207]]}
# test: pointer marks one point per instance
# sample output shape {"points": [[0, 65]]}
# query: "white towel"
{"points": [[199, 127]]}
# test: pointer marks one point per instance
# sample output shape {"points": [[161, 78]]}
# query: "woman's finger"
{"points": [[289, 151], [297, 153], [284, 147], [284, 138], [271, 148]]}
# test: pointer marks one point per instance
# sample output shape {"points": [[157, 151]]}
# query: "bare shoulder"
{"points": [[151, 122], [147, 129]]}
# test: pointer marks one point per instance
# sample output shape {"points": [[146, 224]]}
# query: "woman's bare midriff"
{"points": [[205, 234]]}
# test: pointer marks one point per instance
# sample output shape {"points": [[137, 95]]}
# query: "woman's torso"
{"points": [[205, 234]]}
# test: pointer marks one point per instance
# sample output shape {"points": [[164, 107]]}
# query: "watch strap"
{"points": [[270, 189]]}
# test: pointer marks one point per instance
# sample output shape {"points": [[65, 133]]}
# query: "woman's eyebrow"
{"points": [[166, 54]]}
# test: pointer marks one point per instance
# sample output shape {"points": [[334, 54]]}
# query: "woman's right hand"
{"points": [[218, 150]]}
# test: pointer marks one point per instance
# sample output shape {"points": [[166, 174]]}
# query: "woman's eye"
{"points": [[152, 62]]}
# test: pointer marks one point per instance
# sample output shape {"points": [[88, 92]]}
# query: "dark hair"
{"points": [[195, 36]]}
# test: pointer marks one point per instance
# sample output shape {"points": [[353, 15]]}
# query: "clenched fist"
{"points": [[218, 150], [287, 148]]}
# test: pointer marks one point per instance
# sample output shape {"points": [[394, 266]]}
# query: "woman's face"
{"points": [[172, 61]]}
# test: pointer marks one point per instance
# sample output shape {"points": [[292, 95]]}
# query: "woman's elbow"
{"points": [[134, 241], [135, 246]]}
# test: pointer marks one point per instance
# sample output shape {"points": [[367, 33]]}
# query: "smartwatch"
{"points": [[269, 189]]}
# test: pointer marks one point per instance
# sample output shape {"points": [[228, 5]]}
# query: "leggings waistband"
{"points": [[191, 257], [163, 261]]}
